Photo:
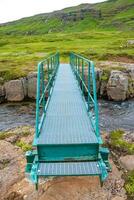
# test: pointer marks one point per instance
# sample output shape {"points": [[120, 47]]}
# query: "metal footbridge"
{"points": [[67, 140]]}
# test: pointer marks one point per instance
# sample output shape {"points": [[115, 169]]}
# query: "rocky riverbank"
{"points": [[14, 185], [20, 89], [115, 81]]}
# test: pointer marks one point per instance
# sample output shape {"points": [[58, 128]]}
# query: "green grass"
{"points": [[25, 42], [19, 55], [129, 184], [118, 143], [24, 146]]}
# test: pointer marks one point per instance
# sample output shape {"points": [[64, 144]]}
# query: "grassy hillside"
{"points": [[92, 30], [19, 55], [112, 15]]}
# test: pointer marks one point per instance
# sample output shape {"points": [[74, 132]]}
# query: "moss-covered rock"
{"points": [[119, 144], [117, 86]]}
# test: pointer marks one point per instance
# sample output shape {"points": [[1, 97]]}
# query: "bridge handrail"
{"points": [[76, 61], [51, 63]]}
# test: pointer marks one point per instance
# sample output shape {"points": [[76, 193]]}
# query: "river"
{"points": [[112, 115]]}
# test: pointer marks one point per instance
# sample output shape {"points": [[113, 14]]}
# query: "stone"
{"points": [[127, 162], [130, 42], [118, 198], [24, 83], [131, 81], [14, 90], [117, 86], [2, 93], [103, 89], [32, 84], [98, 78]]}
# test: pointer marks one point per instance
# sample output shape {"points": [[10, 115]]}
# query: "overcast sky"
{"points": [[14, 9]]}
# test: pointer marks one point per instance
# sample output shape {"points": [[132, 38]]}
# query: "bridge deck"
{"points": [[66, 121]]}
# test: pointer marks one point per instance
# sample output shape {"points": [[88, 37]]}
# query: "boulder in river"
{"points": [[131, 81], [117, 86], [2, 93], [14, 90], [32, 83]]}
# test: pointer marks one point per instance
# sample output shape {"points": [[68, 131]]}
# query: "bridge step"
{"points": [[68, 152], [69, 169]]}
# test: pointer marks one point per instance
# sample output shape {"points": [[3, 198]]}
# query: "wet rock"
{"points": [[117, 86], [14, 90], [32, 83], [127, 162]]}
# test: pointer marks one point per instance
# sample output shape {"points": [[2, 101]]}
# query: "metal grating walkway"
{"points": [[65, 142], [72, 169], [66, 121]]}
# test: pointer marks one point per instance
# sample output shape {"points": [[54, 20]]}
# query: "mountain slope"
{"points": [[113, 15]]}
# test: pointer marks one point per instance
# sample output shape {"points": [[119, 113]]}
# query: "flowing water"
{"points": [[112, 115], [115, 115], [16, 114]]}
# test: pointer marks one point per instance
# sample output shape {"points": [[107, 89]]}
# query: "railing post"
{"points": [[82, 76], [88, 86], [95, 100], [43, 86], [58, 59], [76, 66], [48, 76], [79, 70], [51, 63], [71, 59], [37, 102]]}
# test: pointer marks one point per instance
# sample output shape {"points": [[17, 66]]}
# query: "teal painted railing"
{"points": [[46, 71], [83, 68]]}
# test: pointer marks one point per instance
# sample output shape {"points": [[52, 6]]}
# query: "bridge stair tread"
{"points": [[69, 168]]}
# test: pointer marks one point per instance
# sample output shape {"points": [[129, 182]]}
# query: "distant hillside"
{"points": [[110, 15]]}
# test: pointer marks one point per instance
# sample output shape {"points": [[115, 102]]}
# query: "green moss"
{"points": [[129, 184], [105, 75], [24, 146], [117, 142], [4, 135], [20, 131]]}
